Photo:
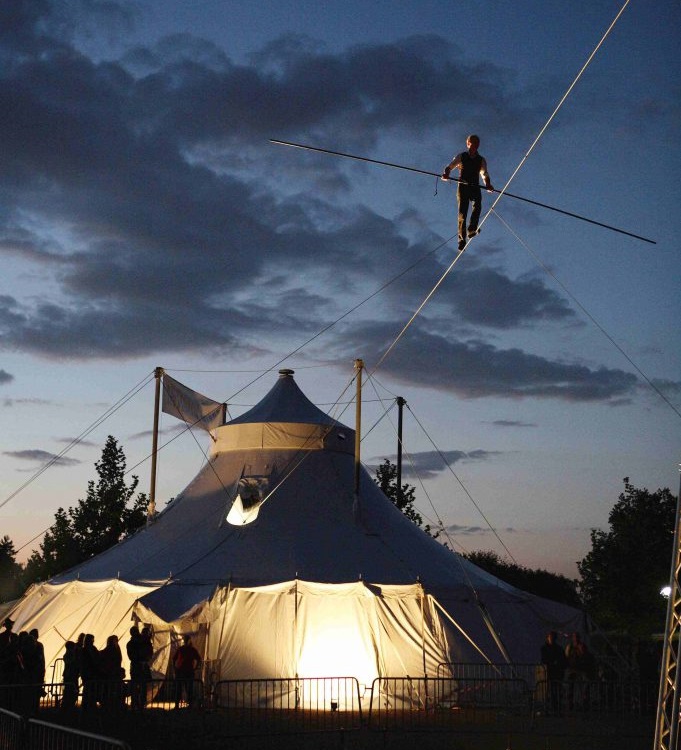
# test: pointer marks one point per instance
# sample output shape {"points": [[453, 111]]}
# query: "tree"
{"points": [[109, 513], [10, 571], [386, 479], [534, 581], [627, 566]]}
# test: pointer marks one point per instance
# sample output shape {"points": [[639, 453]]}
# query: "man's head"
{"points": [[473, 143], [186, 639], [8, 623]]}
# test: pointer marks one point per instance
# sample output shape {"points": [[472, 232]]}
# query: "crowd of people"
{"points": [[101, 671], [568, 671], [95, 674], [22, 668]]}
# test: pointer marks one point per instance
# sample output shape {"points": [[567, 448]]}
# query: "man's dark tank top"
{"points": [[470, 168]]}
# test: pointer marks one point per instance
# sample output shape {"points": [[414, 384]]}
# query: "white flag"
{"points": [[191, 407]]}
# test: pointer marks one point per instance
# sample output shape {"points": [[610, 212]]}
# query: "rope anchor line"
{"points": [[456, 179]]}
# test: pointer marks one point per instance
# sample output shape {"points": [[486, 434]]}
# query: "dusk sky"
{"points": [[147, 220]]}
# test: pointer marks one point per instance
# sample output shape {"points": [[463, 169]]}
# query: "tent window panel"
{"points": [[251, 491]]}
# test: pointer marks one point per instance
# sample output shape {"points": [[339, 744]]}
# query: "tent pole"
{"points": [[359, 366], [492, 630], [423, 634], [461, 630], [151, 508], [400, 408]]}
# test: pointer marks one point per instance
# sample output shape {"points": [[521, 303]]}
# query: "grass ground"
{"points": [[189, 730]]}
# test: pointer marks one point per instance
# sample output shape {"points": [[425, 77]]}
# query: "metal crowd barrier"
{"points": [[46, 736], [18, 733], [328, 704], [407, 702], [140, 694], [11, 730], [290, 704], [530, 673], [596, 697], [116, 694], [57, 671], [27, 699]]}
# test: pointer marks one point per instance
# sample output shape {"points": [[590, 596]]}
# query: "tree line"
{"points": [[620, 577], [110, 511]]}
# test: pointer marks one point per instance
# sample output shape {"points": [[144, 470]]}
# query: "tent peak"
{"points": [[285, 402]]}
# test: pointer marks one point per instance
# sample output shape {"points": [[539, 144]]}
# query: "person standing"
{"points": [[471, 164], [579, 664], [132, 649], [145, 653], [111, 661], [34, 668], [6, 659], [553, 658], [90, 673], [70, 676], [185, 662]]}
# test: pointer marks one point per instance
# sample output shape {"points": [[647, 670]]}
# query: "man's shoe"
{"points": [[472, 232], [462, 244]]}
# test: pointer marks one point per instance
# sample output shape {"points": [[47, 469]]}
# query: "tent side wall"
{"points": [[60, 612], [307, 629]]}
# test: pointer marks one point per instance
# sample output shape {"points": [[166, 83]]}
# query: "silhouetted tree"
{"points": [[109, 513], [627, 566], [386, 479], [534, 581], [10, 571]]}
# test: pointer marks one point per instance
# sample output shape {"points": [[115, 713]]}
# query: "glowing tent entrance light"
{"points": [[337, 649], [332, 645]]}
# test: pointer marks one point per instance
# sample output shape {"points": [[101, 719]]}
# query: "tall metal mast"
{"points": [[359, 366], [400, 408], [151, 508], [667, 722]]}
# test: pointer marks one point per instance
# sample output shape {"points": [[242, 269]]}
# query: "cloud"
{"points": [[42, 457], [473, 368], [10, 402], [427, 464], [147, 188], [668, 387], [84, 443], [176, 429], [5, 377], [458, 530], [510, 423], [488, 297]]}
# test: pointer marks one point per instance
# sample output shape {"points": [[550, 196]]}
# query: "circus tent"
{"points": [[281, 565]]}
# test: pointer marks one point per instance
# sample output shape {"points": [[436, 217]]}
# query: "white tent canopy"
{"points": [[271, 560]]}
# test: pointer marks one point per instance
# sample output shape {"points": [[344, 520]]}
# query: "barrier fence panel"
{"points": [[27, 699], [139, 694], [57, 671], [290, 704], [596, 697], [530, 673], [46, 736], [406, 702], [11, 730]]}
